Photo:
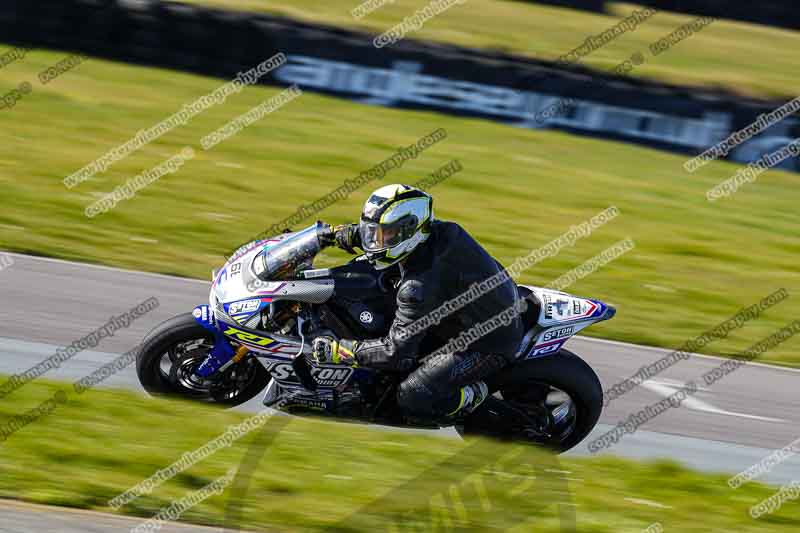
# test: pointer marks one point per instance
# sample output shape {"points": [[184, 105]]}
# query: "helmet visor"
{"points": [[376, 236]]}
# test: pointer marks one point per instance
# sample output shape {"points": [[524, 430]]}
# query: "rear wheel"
{"points": [[173, 350], [554, 401]]}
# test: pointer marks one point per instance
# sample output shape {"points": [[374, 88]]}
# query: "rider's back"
{"points": [[447, 265]]}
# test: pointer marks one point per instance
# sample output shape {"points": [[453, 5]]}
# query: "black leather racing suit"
{"points": [[441, 269]]}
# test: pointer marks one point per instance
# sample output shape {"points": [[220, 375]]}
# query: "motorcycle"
{"points": [[268, 303]]}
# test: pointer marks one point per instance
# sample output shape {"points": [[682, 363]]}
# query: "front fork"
{"points": [[222, 355]]}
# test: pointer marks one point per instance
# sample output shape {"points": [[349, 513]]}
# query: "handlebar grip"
{"points": [[326, 235]]}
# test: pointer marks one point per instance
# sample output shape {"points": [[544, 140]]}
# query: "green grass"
{"points": [[314, 474], [746, 58], [694, 265]]}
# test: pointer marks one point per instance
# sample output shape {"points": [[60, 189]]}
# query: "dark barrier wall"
{"points": [[408, 74], [598, 6], [781, 13]]}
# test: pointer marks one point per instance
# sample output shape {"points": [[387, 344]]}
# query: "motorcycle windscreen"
{"points": [[283, 259]]}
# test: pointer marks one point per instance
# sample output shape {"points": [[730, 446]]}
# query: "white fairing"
{"points": [[561, 316], [229, 282], [239, 293]]}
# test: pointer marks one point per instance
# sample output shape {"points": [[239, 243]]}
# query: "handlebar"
{"points": [[326, 234]]}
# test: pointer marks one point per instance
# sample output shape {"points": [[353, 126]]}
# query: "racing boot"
{"points": [[471, 397]]}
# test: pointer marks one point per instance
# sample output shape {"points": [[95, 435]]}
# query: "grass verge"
{"points": [[313, 475], [695, 263], [745, 58]]}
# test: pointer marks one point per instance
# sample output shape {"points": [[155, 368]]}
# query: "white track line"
{"points": [[665, 351], [103, 267], [12, 505], [698, 405]]}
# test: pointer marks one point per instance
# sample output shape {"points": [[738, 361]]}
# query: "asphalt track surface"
{"points": [[726, 428], [17, 517]]}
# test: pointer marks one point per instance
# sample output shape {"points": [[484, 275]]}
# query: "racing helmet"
{"points": [[395, 220]]}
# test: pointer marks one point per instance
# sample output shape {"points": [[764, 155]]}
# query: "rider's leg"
{"points": [[447, 385]]}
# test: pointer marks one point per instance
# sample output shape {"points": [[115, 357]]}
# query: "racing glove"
{"points": [[348, 238], [327, 235], [328, 351]]}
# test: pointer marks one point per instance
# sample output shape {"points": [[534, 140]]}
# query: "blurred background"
{"points": [[555, 110]]}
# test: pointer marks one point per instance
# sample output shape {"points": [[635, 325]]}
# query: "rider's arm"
{"points": [[399, 349]]}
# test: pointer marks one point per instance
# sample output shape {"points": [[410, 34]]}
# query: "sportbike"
{"points": [[268, 303]]}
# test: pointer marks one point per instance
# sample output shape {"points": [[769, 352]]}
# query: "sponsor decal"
{"points": [[245, 306], [407, 82], [558, 306], [201, 313], [365, 317], [317, 273], [539, 351], [245, 336], [587, 309], [558, 333], [325, 376], [555, 308], [308, 403]]}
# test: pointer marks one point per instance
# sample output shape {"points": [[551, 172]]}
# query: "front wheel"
{"points": [[172, 351], [561, 392]]}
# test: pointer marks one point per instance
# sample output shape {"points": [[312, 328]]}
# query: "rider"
{"points": [[438, 261]]}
